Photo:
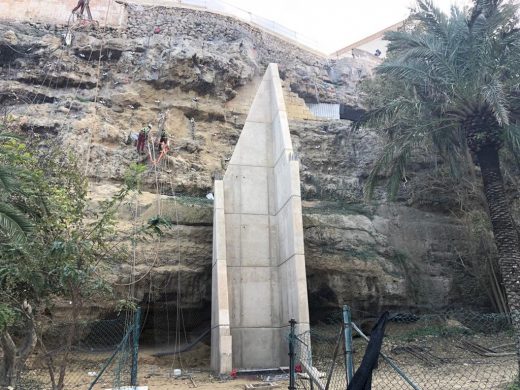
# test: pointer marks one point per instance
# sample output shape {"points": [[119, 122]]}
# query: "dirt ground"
{"points": [[155, 372], [202, 381]]}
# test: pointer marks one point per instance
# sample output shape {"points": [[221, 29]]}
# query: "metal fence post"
{"points": [[110, 359], [135, 346], [292, 373], [347, 326]]}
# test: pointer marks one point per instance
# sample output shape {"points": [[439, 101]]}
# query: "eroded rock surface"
{"points": [[109, 83]]}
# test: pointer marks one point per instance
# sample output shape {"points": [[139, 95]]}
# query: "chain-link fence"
{"points": [[85, 355], [452, 350], [320, 358]]}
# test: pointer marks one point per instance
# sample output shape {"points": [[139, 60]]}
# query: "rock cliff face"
{"points": [[108, 83]]}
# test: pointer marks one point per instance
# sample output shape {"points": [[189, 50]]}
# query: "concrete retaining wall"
{"points": [[265, 281]]}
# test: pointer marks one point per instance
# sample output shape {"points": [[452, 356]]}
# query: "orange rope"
{"points": [[165, 149]]}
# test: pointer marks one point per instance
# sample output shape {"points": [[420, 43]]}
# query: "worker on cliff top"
{"points": [[142, 138], [81, 4]]}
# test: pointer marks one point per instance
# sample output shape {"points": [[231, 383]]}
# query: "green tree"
{"points": [[453, 81], [13, 222], [61, 255]]}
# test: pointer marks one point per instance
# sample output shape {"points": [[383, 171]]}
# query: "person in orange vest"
{"points": [[164, 143]]}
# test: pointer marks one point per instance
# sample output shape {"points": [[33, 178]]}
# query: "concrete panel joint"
{"points": [[259, 280]]}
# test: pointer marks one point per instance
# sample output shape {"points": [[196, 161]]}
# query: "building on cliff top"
{"points": [[370, 44]]}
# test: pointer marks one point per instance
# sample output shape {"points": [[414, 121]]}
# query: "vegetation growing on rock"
{"points": [[56, 251]]}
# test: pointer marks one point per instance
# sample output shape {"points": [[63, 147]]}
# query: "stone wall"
{"points": [[106, 12]]}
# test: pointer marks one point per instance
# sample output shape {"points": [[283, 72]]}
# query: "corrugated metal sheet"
{"points": [[324, 110]]}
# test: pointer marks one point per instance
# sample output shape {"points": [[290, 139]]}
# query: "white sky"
{"points": [[334, 24]]}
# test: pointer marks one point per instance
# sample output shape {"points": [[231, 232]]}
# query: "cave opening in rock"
{"points": [[351, 113], [166, 326]]}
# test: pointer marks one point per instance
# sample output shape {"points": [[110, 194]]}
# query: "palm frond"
{"points": [[511, 136], [4, 136], [410, 72], [383, 116], [391, 163], [433, 19], [7, 181], [378, 169], [494, 95], [13, 223], [482, 9]]}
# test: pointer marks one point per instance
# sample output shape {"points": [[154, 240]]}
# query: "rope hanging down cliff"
{"points": [[180, 335]]}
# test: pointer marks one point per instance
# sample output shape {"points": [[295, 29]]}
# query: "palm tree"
{"points": [[453, 81]]}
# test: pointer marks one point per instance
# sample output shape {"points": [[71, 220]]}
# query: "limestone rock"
{"points": [[110, 83], [10, 37]]}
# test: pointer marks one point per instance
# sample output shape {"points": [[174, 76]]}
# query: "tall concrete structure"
{"points": [[259, 280]]}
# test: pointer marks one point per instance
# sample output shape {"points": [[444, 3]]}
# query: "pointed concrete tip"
{"points": [[272, 69], [266, 122]]}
